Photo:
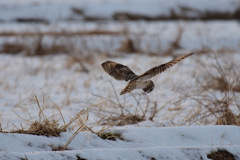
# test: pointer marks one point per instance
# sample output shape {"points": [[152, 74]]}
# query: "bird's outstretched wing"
{"points": [[159, 69], [118, 71]]}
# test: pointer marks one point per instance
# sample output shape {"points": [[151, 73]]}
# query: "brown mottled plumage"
{"points": [[121, 72]]}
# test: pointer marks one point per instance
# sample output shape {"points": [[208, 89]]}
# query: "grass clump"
{"points": [[125, 119], [44, 128], [110, 136]]}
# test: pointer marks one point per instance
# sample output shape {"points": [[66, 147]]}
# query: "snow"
{"points": [[59, 83], [152, 37], [139, 143]]}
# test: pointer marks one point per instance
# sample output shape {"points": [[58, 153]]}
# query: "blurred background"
{"points": [[43, 27]]}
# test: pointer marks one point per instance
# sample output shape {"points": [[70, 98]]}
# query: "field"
{"points": [[58, 103]]}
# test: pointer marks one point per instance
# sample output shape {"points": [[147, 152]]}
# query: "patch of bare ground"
{"points": [[61, 33], [221, 154], [31, 20], [110, 136], [80, 158], [77, 10]]}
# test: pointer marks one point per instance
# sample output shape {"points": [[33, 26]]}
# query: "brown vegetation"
{"points": [[127, 46], [221, 155], [213, 105], [144, 110], [110, 136], [180, 15], [45, 126]]}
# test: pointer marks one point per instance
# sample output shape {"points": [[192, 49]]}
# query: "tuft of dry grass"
{"points": [[46, 126], [13, 48], [43, 126], [121, 120], [77, 11], [32, 20], [110, 136]]}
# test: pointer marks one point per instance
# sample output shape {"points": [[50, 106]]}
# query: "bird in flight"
{"points": [[122, 72]]}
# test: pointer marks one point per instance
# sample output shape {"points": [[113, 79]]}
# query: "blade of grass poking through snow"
{"points": [[40, 114], [59, 110], [73, 119], [81, 128]]}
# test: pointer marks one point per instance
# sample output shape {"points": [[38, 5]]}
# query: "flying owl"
{"points": [[121, 72]]}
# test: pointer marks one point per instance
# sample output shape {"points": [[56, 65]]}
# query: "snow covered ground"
{"points": [[72, 90], [150, 37], [141, 143], [174, 124]]}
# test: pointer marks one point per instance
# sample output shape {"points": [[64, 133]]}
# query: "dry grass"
{"points": [[31, 20], [37, 49], [175, 44], [118, 113], [127, 46], [121, 120], [60, 33], [180, 15], [77, 11], [13, 48], [216, 95], [45, 126], [84, 42], [46, 43], [227, 79], [48, 126], [110, 136]]}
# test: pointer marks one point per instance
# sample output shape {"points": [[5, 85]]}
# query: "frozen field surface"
{"points": [[63, 84], [107, 37], [60, 81], [141, 143]]}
